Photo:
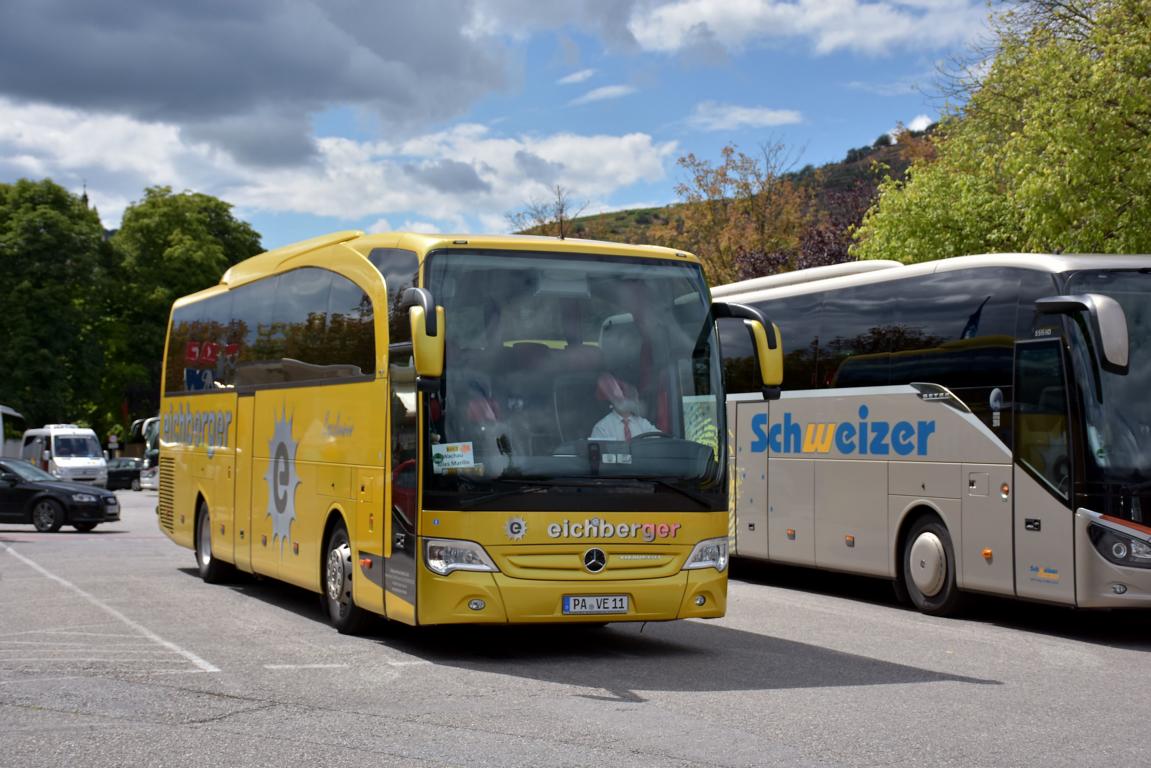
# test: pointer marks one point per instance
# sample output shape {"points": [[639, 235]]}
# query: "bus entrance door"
{"points": [[242, 527]]}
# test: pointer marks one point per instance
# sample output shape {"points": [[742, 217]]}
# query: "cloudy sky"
{"points": [[316, 115]]}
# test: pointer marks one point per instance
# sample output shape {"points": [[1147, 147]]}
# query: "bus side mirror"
{"points": [[46, 455], [768, 344], [1107, 324], [427, 337]]}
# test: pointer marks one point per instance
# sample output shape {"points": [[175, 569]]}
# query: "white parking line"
{"points": [[196, 660], [305, 666]]}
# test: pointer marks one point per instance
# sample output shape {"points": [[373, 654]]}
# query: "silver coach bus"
{"points": [[980, 423]]}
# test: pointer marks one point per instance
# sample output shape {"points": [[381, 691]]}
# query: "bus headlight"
{"points": [[1120, 548], [443, 556], [709, 553]]}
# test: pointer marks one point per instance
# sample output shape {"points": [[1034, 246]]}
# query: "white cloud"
{"points": [[380, 225], [603, 93], [917, 123], [920, 123], [576, 77], [831, 25], [426, 227], [712, 116], [348, 180]]}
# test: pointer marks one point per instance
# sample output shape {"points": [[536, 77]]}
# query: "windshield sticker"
{"points": [[699, 418], [602, 529], [864, 438], [452, 456]]}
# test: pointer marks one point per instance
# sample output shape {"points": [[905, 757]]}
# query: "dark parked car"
{"points": [[124, 473], [31, 495]]}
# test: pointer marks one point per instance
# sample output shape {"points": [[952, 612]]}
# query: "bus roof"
{"points": [[803, 282], [422, 244], [10, 411]]}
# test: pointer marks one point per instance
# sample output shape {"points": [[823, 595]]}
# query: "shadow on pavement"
{"points": [[1130, 630], [622, 658]]}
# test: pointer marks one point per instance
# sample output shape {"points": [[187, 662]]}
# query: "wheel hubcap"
{"points": [[205, 538], [928, 564], [44, 515], [339, 575]]}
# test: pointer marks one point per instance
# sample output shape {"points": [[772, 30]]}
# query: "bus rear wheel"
{"points": [[929, 568], [212, 570], [346, 617]]}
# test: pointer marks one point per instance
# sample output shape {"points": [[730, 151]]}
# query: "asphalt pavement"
{"points": [[114, 653]]}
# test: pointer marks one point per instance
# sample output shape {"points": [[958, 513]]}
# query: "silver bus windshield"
{"points": [[575, 377], [1116, 409]]}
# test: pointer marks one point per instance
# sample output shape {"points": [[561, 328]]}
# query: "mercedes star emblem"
{"points": [[594, 560]]}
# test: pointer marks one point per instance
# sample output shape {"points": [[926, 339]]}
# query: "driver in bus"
{"points": [[623, 421]]}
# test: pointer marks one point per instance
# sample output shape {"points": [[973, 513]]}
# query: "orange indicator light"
{"points": [[987, 554], [849, 540], [791, 533], [366, 562], [1005, 490]]}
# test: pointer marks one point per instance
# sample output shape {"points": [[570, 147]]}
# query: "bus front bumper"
{"points": [[479, 598]]}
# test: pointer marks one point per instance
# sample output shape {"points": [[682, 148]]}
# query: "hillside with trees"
{"points": [[750, 213]]}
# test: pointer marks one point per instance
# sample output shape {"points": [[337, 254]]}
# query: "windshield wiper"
{"points": [[663, 483], [518, 490]]}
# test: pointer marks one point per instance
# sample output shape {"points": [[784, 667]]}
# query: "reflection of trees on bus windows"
{"points": [[308, 324]]}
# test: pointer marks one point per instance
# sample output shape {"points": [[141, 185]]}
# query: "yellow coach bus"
{"points": [[457, 429]]}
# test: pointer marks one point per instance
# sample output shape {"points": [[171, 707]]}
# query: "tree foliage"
{"points": [[85, 316], [548, 217], [51, 256], [741, 209], [1051, 153], [170, 245]]}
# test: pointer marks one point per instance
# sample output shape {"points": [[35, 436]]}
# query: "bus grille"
{"points": [[167, 504]]}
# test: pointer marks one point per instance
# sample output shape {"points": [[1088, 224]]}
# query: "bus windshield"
{"points": [[1116, 408], [576, 377]]}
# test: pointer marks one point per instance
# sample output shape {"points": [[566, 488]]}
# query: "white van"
{"points": [[67, 451]]}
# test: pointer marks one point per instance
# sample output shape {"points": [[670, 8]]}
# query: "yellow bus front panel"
{"points": [[542, 558]]}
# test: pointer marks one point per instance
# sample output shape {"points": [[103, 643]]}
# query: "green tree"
{"points": [[51, 256], [170, 245], [1051, 153]]}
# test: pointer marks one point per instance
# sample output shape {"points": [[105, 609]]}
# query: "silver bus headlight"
{"points": [[1120, 548], [709, 553], [443, 556]]}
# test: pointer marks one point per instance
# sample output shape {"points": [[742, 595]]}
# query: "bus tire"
{"points": [[212, 569], [47, 515], [345, 615], [929, 568]]}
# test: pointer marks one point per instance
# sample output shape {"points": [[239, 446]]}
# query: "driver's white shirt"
{"points": [[610, 427]]}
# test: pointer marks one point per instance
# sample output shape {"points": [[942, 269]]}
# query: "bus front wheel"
{"points": [[346, 617], [212, 569], [929, 568]]}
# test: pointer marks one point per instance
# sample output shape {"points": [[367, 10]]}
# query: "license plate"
{"points": [[581, 604]]}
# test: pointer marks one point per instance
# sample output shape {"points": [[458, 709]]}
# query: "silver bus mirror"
{"points": [[1107, 324]]}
